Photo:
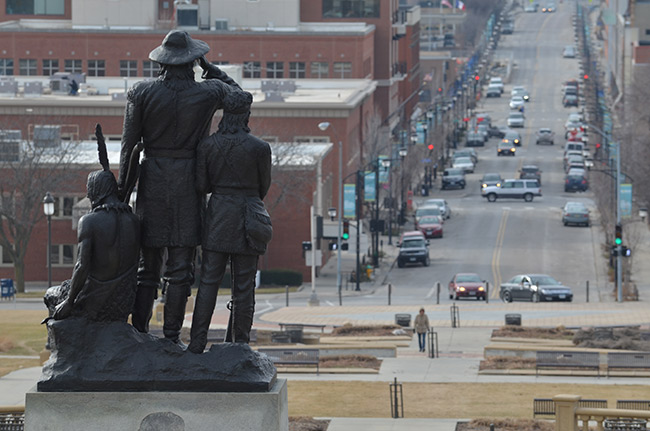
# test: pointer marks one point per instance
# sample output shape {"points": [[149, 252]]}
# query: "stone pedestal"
{"points": [[159, 411]]}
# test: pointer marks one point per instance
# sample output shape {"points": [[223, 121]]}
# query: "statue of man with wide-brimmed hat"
{"points": [[169, 116]]}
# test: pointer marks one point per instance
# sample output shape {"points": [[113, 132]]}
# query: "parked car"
{"points": [[413, 250], [482, 128], [431, 226], [531, 172], [497, 132], [530, 7], [491, 180], [574, 147], [506, 149], [453, 177], [545, 136], [515, 119], [494, 90], [466, 152], [535, 288], [569, 51], [569, 100], [516, 102], [576, 181], [512, 137], [429, 210], [575, 213], [446, 209], [508, 27], [513, 189], [410, 234], [464, 163], [498, 81], [574, 161], [475, 139], [466, 285]]}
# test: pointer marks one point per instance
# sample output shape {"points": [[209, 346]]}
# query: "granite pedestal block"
{"points": [[159, 411]]}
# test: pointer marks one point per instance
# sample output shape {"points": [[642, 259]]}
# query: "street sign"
{"points": [[318, 256], [426, 160]]}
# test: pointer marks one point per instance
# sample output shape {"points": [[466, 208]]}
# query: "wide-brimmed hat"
{"points": [[178, 47]]}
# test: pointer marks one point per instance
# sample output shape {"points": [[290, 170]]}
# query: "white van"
{"points": [[574, 146]]}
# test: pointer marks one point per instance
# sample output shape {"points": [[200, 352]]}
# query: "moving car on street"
{"points": [[515, 119], [535, 288], [512, 137], [467, 285], [491, 180], [575, 213], [453, 177], [506, 149], [521, 91], [545, 136], [516, 102], [531, 172], [413, 250], [513, 189], [569, 51]]}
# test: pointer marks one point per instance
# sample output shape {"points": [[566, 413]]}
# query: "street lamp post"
{"points": [[48, 209]]}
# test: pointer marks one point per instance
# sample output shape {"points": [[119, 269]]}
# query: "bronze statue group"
{"points": [[121, 255]]}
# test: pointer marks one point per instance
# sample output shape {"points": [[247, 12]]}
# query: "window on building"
{"points": [[63, 254], [6, 257], [150, 69], [220, 63], [73, 66], [63, 206], [311, 139], [35, 7], [270, 139], [27, 67], [6, 66], [319, 69], [342, 69], [128, 68], [351, 8], [50, 67], [96, 68], [296, 69], [252, 69], [274, 69]]}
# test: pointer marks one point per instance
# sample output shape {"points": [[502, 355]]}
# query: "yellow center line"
{"points": [[496, 255]]}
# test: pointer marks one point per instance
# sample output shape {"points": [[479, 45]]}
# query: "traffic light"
{"points": [[430, 147], [586, 77], [625, 252], [346, 229], [439, 90], [333, 245], [618, 235], [478, 78]]}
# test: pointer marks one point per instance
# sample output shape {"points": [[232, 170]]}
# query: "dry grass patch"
{"points": [[483, 424], [7, 365], [356, 331], [23, 329], [559, 333], [301, 423], [350, 361], [371, 399], [507, 363], [628, 338], [6, 344]]}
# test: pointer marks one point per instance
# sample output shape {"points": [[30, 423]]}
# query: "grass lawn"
{"points": [[22, 332], [441, 400]]}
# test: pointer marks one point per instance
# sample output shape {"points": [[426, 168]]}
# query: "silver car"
{"points": [[515, 119], [516, 102], [575, 213], [444, 206], [513, 189], [464, 163]]}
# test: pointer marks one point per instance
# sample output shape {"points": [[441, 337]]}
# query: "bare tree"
{"points": [[28, 171]]}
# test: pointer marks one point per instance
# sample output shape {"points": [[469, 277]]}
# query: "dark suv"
{"points": [[413, 250], [453, 177], [531, 172]]}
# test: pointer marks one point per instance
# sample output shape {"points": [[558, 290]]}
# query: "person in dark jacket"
{"points": [[235, 167], [170, 116]]}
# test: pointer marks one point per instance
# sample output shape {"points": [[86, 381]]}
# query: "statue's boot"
{"points": [[175, 302]]}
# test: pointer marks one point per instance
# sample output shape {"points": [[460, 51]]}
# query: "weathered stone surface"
{"points": [[114, 357], [159, 411]]}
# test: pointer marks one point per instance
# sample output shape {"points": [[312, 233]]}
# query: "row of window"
{"points": [[128, 68], [35, 7], [29, 67]]}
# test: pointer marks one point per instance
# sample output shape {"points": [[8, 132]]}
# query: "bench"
{"points": [[293, 356], [283, 326], [546, 406], [563, 359], [633, 404], [12, 418], [626, 361], [214, 335]]}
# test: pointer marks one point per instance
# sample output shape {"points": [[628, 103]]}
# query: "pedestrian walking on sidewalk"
{"points": [[421, 327]]}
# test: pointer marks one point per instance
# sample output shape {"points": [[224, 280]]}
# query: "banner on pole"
{"points": [[349, 201], [369, 186], [625, 204]]}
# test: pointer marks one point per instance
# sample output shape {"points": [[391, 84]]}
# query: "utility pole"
{"points": [[619, 247], [358, 217]]}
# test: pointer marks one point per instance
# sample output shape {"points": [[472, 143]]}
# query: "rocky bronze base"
{"points": [[114, 357]]}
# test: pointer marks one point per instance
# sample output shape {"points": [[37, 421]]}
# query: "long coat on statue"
{"points": [[170, 116]]}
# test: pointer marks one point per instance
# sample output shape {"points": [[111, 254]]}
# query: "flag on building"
{"points": [[460, 5], [446, 3]]}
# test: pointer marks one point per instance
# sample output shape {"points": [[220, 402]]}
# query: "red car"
{"points": [[467, 285], [431, 226]]}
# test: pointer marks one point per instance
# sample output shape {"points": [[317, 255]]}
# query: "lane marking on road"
{"points": [[268, 307], [519, 165], [496, 255]]}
